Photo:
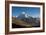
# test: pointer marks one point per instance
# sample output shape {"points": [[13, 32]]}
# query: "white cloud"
{"points": [[16, 16], [23, 12]]}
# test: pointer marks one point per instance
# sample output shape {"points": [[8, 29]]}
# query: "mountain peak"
{"points": [[23, 15]]}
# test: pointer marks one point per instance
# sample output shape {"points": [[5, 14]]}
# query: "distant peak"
{"points": [[14, 16]]}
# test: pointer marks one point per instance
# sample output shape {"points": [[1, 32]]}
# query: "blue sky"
{"points": [[32, 11]]}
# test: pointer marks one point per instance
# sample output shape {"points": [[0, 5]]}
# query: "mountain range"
{"points": [[27, 20]]}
